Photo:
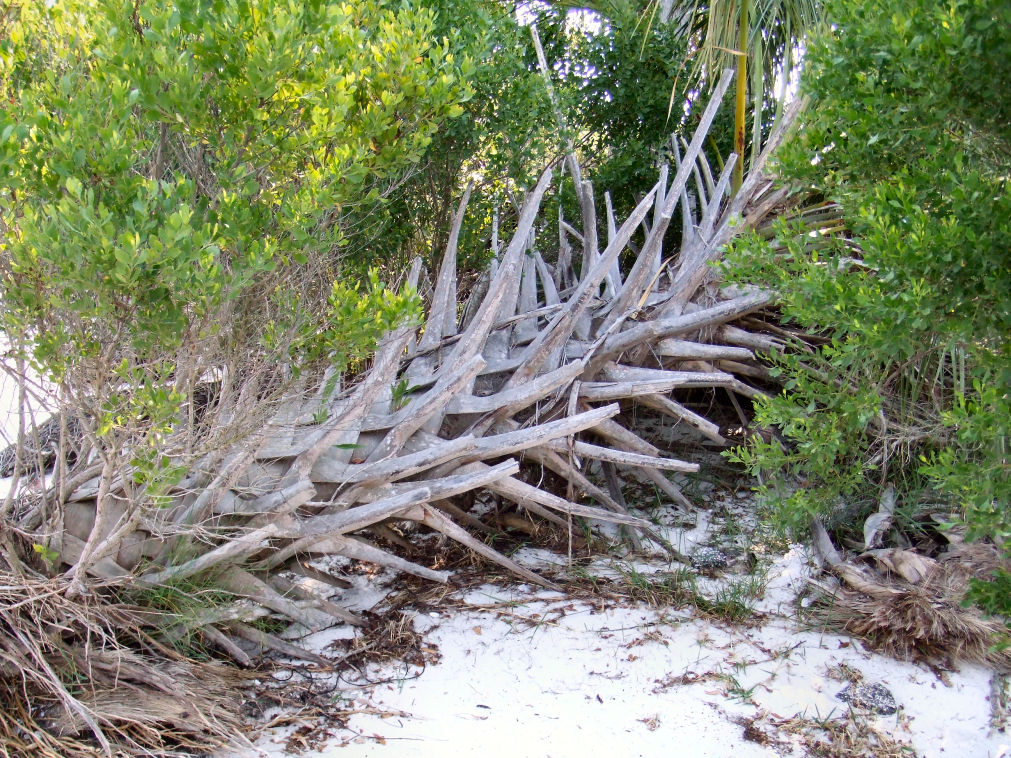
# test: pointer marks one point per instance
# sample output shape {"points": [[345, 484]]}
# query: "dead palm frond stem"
{"points": [[535, 376]]}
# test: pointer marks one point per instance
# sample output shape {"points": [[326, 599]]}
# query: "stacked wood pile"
{"points": [[534, 373]]}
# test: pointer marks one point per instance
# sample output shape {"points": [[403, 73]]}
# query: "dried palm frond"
{"points": [[913, 609], [913, 624], [80, 678]]}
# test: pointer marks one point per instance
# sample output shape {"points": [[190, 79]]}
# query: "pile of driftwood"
{"points": [[532, 373]]}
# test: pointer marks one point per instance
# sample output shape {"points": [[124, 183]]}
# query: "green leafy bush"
{"points": [[175, 182], [505, 137], [621, 100], [909, 129]]}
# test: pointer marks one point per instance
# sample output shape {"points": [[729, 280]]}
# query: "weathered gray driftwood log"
{"points": [[533, 374]]}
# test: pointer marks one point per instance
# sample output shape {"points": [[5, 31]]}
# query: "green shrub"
{"points": [[175, 180], [909, 129]]}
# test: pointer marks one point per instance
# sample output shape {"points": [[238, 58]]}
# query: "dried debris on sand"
{"points": [[594, 669]]}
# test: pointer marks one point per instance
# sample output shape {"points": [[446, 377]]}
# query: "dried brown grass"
{"points": [[82, 678], [849, 737], [926, 620]]}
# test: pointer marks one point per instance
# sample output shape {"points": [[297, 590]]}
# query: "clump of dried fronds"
{"points": [[81, 678], [850, 737], [916, 622], [913, 606]]}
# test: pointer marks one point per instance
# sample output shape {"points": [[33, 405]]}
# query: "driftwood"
{"points": [[535, 375]]}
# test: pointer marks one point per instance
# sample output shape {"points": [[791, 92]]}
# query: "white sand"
{"points": [[526, 673]]}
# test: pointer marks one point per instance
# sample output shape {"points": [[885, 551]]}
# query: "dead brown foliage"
{"points": [[921, 616], [81, 678]]}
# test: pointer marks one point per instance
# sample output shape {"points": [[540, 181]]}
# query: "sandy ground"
{"points": [[513, 670], [520, 671]]}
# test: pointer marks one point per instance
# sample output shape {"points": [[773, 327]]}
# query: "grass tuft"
{"points": [[732, 601]]}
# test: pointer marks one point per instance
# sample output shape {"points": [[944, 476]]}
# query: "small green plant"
{"points": [[401, 392], [47, 554], [677, 588], [734, 601], [584, 575], [991, 594], [731, 525], [179, 602], [590, 536], [737, 691], [274, 625], [731, 601]]}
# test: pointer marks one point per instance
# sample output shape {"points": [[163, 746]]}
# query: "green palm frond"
{"points": [[758, 38], [775, 28], [775, 31]]}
